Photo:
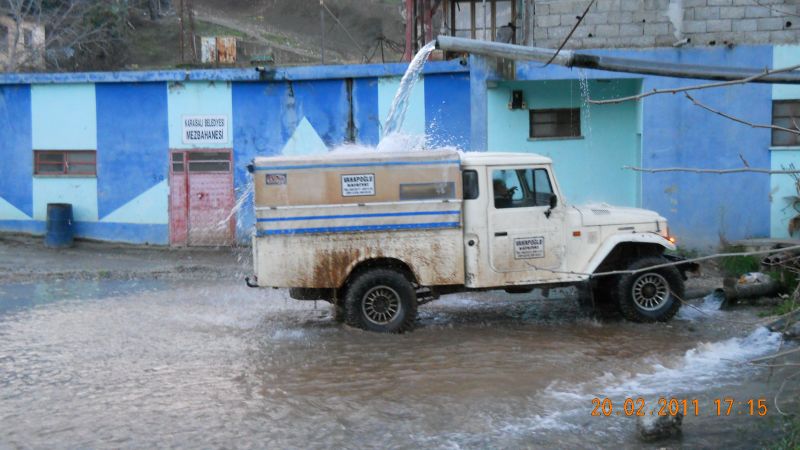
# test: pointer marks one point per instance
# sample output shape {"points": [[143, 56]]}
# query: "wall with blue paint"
{"points": [[589, 167], [706, 209], [447, 110], [194, 99], [783, 189], [132, 119], [16, 182], [79, 191], [702, 209], [132, 154], [64, 117]]}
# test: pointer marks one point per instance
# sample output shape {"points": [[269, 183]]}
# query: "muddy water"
{"points": [[144, 364]]}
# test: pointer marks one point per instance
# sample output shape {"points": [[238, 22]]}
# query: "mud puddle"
{"points": [[143, 364]]}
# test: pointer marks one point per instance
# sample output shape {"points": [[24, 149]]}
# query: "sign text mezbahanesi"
{"points": [[205, 129]]}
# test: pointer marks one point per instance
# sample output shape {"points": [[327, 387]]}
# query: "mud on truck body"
{"points": [[376, 234]]}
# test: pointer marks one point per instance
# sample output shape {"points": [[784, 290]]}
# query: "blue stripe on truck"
{"points": [[399, 226], [358, 216], [370, 164]]}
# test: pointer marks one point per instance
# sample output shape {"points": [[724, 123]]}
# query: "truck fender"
{"points": [[377, 260], [608, 246]]}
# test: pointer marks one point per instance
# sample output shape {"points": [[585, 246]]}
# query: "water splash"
{"points": [[245, 193], [583, 82], [397, 112], [675, 16]]}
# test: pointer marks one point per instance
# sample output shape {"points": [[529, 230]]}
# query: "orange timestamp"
{"points": [[665, 406]]}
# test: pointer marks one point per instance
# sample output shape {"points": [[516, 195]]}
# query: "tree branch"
{"points": [[736, 119], [775, 355], [749, 79], [714, 171]]}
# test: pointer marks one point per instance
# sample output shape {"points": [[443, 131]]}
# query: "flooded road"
{"points": [[156, 363]]}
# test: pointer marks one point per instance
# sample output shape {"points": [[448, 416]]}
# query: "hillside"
{"points": [[289, 31]]}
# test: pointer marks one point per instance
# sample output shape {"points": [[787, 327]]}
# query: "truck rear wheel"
{"points": [[650, 295], [381, 300]]}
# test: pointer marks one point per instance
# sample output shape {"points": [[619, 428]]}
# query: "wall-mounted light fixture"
{"points": [[517, 101]]}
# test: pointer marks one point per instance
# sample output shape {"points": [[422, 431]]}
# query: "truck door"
{"points": [[521, 235]]}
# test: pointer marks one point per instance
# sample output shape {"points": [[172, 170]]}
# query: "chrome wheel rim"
{"points": [[381, 305], [650, 291]]}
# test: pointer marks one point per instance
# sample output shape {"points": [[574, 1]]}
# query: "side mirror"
{"points": [[553, 204]]}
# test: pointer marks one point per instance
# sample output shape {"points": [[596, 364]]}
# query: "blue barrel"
{"points": [[59, 225]]}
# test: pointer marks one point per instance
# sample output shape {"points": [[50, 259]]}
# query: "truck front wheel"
{"points": [[650, 295], [381, 300]]}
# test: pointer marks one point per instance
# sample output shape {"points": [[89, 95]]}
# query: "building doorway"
{"points": [[201, 197]]}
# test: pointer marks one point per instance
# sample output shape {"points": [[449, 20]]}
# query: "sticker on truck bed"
{"points": [[529, 248], [358, 185], [276, 178]]}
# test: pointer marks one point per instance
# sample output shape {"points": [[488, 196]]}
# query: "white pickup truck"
{"points": [[377, 234]]}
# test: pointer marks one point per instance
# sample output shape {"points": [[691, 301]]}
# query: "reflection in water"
{"points": [[208, 365]]}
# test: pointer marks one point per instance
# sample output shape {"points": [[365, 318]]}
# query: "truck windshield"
{"points": [[521, 188]]}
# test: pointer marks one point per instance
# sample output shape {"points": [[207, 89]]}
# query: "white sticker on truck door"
{"points": [[358, 185], [529, 247]]}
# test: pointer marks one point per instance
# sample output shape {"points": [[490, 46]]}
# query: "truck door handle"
{"points": [[501, 233]]}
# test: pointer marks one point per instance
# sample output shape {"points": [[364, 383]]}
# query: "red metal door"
{"points": [[202, 198]]}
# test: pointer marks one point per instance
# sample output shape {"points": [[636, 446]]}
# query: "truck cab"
{"points": [[403, 228]]}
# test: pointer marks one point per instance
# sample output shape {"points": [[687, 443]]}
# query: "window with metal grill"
{"points": [[201, 161], [555, 123], [786, 114], [65, 162]]}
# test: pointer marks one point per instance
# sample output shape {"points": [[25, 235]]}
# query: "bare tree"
{"points": [[55, 33]]}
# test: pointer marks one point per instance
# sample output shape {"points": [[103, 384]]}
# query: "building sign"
{"points": [[205, 129], [358, 185], [529, 248]]}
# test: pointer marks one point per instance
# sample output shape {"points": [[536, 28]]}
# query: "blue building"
{"points": [[161, 157]]}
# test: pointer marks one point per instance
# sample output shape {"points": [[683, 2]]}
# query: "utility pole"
{"points": [[180, 21], [322, 29]]}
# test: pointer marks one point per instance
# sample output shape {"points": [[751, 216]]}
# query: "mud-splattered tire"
{"points": [[381, 300], [649, 296]]}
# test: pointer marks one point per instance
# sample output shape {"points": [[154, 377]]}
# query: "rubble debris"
{"points": [[751, 285], [785, 322], [656, 428]]}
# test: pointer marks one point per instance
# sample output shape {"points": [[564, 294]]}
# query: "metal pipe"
{"points": [[502, 50], [571, 58]]}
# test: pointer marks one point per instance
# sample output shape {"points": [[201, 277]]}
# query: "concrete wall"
{"points": [[651, 23]]}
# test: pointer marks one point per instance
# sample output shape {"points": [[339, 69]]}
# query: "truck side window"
{"points": [[470, 178], [521, 188]]}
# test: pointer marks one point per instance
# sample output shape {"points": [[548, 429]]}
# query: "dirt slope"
{"points": [[294, 25]]}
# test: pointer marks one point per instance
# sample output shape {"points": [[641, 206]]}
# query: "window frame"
{"points": [[528, 192], [64, 164], [469, 179], [191, 160], [450, 11], [795, 137], [571, 126]]}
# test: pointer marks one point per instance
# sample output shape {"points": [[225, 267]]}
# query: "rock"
{"points": [[656, 428], [784, 321], [793, 332]]}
